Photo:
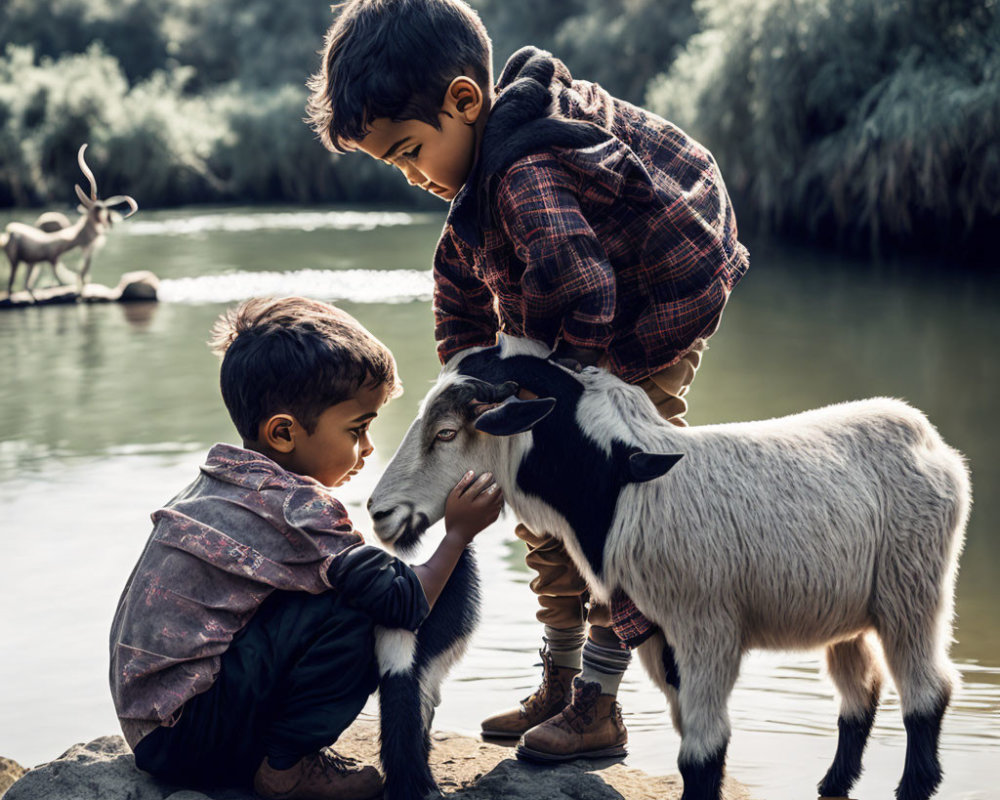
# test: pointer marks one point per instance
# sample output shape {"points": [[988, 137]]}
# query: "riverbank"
{"points": [[464, 767]]}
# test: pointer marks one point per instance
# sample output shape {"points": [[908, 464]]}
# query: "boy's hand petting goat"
{"points": [[820, 529]]}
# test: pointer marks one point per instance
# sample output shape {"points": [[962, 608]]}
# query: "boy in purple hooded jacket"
{"points": [[243, 643], [576, 219]]}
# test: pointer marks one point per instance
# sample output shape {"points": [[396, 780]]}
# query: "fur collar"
{"points": [[525, 119]]}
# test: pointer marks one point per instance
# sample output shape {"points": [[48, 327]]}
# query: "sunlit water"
{"points": [[106, 411]]}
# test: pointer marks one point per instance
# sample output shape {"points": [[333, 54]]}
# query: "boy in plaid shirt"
{"points": [[576, 219]]}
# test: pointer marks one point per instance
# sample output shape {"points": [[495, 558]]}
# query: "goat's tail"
{"points": [[405, 740], [4, 238]]}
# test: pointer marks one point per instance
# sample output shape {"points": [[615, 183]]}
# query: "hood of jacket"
{"points": [[538, 106]]}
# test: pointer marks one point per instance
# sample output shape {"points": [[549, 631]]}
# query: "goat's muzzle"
{"points": [[400, 525]]}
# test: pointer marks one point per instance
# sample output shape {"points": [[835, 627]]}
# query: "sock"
{"points": [[565, 645], [604, 665]]}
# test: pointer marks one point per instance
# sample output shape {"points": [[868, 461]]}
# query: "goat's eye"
{"points": [[446, 434]]}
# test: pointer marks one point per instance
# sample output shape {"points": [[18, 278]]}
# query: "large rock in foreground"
{"points": [[466, 769]]}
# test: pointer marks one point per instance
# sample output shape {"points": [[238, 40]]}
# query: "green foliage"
{"points": [[130, 30], [148, 140], [258, 43], [862, 121], [621, 44], [271, 153]]}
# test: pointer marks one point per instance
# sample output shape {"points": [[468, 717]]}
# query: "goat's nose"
{"points": [[381, 513]]}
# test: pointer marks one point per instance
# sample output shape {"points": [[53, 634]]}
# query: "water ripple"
{"points": [[353, 285], [273, 221]]}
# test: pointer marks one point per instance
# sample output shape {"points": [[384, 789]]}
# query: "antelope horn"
{"points": [[86, 171], [123, 198], [86, 201]]}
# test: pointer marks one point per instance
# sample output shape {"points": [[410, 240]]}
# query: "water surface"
{"points": [[106, 411]]}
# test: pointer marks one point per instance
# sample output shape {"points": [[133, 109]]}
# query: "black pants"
{"points": [[290, 683]]}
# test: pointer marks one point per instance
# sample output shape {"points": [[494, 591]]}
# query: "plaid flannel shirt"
{"points": [[628, 246]]}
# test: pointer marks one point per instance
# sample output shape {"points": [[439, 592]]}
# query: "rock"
{"points": [[10, 771], [138, 286], [466, 769], [141, 285]]}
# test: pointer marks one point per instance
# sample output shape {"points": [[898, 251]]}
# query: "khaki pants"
{"points": [[562, 591]]}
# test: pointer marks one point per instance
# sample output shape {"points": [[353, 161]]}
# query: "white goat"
{"points": [[34, 245], [813, 530]]}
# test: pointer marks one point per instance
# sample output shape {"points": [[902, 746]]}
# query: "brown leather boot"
{"points": [[548, 700], [325, 775], [589, 727]]}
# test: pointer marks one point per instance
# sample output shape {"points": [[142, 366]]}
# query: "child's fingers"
{"points": [[464, 482], [491, 494], [480, 484]]}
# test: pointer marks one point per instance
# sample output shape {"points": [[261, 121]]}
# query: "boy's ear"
{"points": [[278, 432], [463, 99]]}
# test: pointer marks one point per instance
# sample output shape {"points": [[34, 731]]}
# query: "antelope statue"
{"points": [[34, 245]]}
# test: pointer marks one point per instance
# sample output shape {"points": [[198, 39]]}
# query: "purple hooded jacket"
{"points": [[244, 528]]}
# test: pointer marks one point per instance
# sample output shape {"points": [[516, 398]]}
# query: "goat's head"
{"points": [[99, 211], [509, 410]]}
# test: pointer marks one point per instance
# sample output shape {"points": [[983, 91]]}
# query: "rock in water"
{"points": [[136, 286]]}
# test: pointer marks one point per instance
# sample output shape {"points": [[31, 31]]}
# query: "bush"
{"points": [[866, 122]]}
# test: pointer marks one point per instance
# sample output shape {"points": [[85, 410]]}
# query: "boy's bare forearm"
{"points": [[433, 574]]}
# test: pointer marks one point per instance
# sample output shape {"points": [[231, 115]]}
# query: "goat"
{"points": [[33, 245], [812, 530]]}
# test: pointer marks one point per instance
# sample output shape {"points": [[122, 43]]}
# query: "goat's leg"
{"points": [[55, 264], [913, 616], [916, 655], [29, 279], [10, 281], [707, 668], [658, 659], [855, 671], [403, 748], [84, 271]]}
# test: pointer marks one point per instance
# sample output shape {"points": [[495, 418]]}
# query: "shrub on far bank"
{"points": [[864, 122], [162, 145]]}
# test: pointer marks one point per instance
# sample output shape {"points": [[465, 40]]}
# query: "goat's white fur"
{"points": [[395, 649]]}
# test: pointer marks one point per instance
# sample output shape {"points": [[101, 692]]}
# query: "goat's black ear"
{"points": [[514, 416], [644, 467]]}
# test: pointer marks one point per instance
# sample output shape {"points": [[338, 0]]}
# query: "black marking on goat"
{"points": [[567, 471], [703, 779], [922, 770], [673, 675], [405, 745], [405, 740], [851, 743], [415, 526]]}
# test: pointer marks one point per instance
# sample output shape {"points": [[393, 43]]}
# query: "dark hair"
{"points": [[394, 59], [297, 356]]}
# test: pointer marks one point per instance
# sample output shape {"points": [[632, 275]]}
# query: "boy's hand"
{"points": [[472, 505]]}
